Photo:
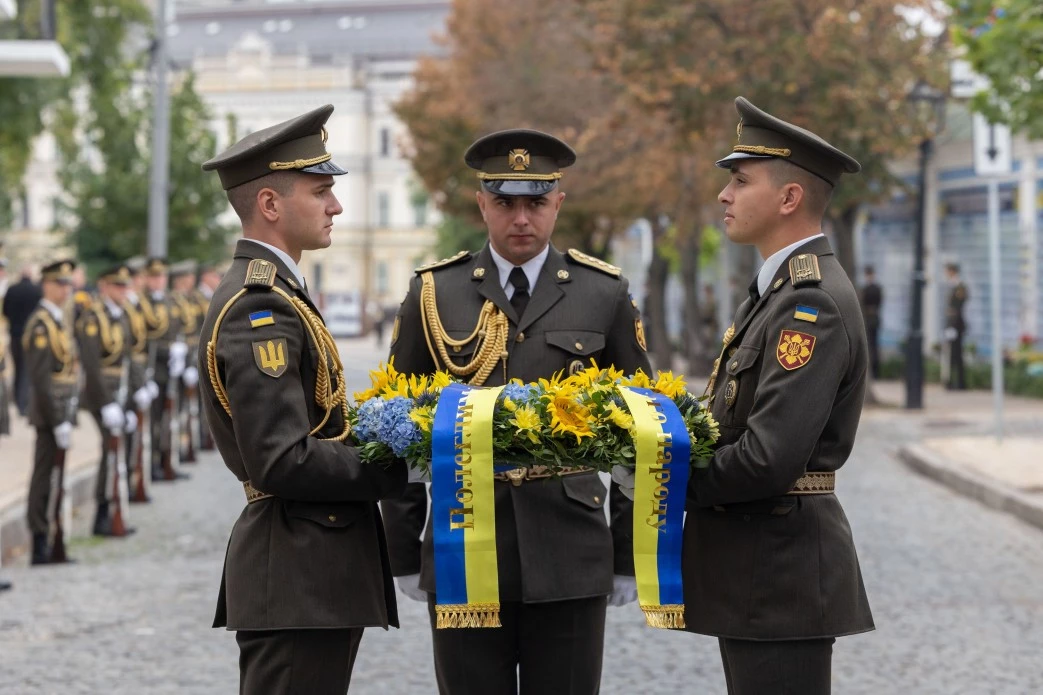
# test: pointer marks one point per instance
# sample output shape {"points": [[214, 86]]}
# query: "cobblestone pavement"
{"points": [[955, 590]]}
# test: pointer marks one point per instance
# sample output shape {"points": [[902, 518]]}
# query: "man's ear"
{"points": [[268, 204], [792, 197]]}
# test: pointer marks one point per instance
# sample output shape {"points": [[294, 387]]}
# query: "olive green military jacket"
{"points": [[313, 555], [105, 343], [760, 564], [163, 324], [50, 360], [552, 539]]}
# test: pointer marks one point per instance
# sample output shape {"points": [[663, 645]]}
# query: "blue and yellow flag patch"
{"points": [[261, 318], [806, 313]]}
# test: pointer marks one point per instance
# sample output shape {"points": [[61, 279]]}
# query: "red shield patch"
{"points": [[795, 349]]}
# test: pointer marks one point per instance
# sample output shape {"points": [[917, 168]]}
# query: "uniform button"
{"points": [[332, 517], [597, 500], [735, 365], [520, 338], [456, 348], [579, 345]]}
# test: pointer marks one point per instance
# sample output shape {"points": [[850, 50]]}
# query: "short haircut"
{"points": [[817, 192], [244, 196]]}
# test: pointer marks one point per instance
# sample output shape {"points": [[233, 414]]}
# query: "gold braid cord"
{"points": [[491, 332], [157, 319], [61, 345], [111, 337], [326, 396]]}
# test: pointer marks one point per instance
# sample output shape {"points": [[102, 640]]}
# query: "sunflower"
{"points": [[528, 423], [568, 416], [423, 417], [439, 380], [619, 417], [509, 405], [669, 385], [379, 379], [399, 386], [638, 380]]}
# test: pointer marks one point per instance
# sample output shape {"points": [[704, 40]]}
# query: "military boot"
{"points": [[102, 522], [41, 553]]}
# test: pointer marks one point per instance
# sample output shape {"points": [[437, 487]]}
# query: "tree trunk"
{"points": [[843, 223], [693, 345], [655, 300]]}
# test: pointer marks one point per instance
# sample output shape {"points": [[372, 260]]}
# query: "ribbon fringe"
{"points": [[467, 615], [670, 617]]}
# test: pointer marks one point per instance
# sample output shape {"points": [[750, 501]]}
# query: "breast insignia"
{"points": [[444, 262], [596, 263]]}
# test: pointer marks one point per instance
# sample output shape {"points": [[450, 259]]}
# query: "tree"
{"points": [[1003, 41]]}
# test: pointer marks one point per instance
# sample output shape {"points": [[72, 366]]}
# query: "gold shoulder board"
{"points": [[260, 273], [803, 270], [443, 263], [596, 263]]}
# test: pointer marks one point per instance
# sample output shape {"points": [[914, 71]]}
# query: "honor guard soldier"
{"points": [[955, 327], [209, 279], [521, 309], [306, 568], [167, 355], [50, 359], [104, 336], [137, 442], [182, 292], [769, 563]]}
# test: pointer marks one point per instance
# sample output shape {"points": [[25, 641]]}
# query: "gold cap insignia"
{"points": [[518, 159], [738, 132]]}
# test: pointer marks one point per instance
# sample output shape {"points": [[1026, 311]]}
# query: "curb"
{"points": [[970, 484], [15, 538]]}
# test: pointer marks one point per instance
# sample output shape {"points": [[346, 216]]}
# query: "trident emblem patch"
{"points": [[270, 356]]}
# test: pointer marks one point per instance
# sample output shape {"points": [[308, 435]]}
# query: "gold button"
{"points": [[520, 338], [597, 500], [579, 345], [332, 517], [456, 348], [735, 365]]}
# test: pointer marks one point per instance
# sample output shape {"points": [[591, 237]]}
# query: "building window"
{"points": [[383, 209], [420, 214], [382, 278], [385, 142]]}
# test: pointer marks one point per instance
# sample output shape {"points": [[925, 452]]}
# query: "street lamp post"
{"points": [[930, 105]]}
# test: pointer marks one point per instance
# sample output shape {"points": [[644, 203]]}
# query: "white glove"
{"points": [[112, 416], [410, 586], [153, 390], [142, 397], [178, 351], [624, 590], [176, 366], [624, 477], [63, 435], [417, 475], [131, 422], [190, 377]]}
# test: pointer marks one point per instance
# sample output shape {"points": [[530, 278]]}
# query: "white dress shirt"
{"points": [[531, 268]]}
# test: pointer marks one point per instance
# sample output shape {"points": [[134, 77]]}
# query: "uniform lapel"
{"points": [[488, 279], [547, 293]]}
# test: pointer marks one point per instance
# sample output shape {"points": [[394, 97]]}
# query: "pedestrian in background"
{"points": [[871, 298], [955, 326], [19, 303]]}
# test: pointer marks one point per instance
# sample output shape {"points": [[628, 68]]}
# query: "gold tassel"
{"points": [[467, 615], [670, 617]]}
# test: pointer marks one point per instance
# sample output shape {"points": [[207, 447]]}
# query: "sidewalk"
{"points": [[1004, 473]]}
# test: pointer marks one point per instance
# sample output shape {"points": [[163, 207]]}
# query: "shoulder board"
{"points": [[803, 270], [444, 262], [260, 273], [83, 298], [596, 263]]}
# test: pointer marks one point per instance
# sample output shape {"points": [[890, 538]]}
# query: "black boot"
{"points": [[102, 522], [41, 553], [4, 585]]}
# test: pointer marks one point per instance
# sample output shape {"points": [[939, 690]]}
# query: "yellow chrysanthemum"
{"points": [[638, 380], [509, 405], [619, 417], [423, 417], [527, 422], [439, 380], [669, 385], [567, 416]]}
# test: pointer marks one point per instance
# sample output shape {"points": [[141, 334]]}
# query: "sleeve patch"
{"points": [[794, 350], [261, 318], [806, 313]]}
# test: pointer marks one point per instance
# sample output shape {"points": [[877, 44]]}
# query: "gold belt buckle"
{"points": [[517, 475]]}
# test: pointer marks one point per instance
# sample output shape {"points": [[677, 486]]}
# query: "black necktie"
{"points": [[755, 294], [521, 290]]}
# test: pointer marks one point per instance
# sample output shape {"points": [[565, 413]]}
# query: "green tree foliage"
{"points": [[1003, 41]]}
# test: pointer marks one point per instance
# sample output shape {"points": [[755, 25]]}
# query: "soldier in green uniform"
{"points": [[209, 279], [955, 327], [306, 568], [148, 391], [769, 562], [521, 309], [104, 337], [167, 355], [182, 288], [50, 360]]}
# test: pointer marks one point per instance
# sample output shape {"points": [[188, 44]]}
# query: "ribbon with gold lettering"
{"points": [[467, 592], [662, 450]]}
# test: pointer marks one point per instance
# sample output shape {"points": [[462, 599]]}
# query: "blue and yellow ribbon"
{"points": [[467, 592], [660, 483]]}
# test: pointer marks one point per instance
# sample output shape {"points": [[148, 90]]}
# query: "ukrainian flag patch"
{"points": [[806, 313], [261, 318]]}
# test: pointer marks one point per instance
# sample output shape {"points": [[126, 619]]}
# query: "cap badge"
{"points": [[738, 132], [518, 159]]}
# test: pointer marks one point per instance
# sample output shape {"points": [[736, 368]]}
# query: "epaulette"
{"points": [[803, 270], [83, 299], [596, 263], [260, 273], [463, 255]]}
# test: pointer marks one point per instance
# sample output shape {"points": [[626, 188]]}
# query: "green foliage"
{"points": [[458, 234], [1003, 41], [1019, 379]]}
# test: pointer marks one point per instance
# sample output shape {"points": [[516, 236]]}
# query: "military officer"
{"points": [[769, 563], [955, 327], [105, 340], [520, 308], [182, 289], [50, 359], [209, 279], [137, 444], [306, 568], [167, 355]]}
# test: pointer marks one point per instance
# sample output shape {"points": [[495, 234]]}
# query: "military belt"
{"points": [[517, 476], [253, 494], [816, 483]]}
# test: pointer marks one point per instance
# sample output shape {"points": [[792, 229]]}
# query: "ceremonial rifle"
{"points": [[140, 478], [167, 423], [113, 446], [54, 515]]}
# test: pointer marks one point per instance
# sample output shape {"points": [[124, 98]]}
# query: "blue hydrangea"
{"points": [[396, 429], [519, 393], [370, 417]]}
